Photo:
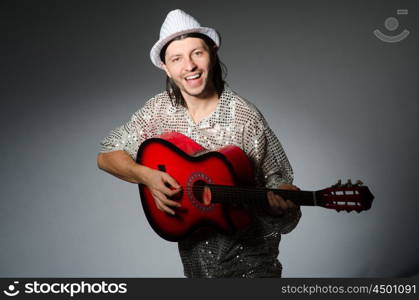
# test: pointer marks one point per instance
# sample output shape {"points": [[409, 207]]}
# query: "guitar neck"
{"points": [[256, 196]]}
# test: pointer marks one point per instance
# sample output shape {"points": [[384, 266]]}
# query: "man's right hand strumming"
{"points": [[120, 164], [162, 186]]}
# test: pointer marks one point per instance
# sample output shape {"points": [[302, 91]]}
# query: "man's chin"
{"points": [[194, 92], [200, 91]]}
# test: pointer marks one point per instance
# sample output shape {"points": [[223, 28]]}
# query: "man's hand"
{"points": [[279, 206], [162, 186]]}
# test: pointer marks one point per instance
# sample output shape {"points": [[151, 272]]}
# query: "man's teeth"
{"points": [[193, 77]]}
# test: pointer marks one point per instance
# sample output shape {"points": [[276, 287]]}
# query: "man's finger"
{"points": [[168, 210], [287, 186], [169, 202], [271, 200], [167, 191], [158, 197], [171, 193], [274, 204], [291, 204], [169, 179], [157, 201], [281, 202], [295, 188]]}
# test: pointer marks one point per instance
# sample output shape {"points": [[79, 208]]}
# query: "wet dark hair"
{"points": [[218, 72]]}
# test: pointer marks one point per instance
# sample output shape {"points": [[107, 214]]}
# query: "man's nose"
{"points": [[190, 65]]}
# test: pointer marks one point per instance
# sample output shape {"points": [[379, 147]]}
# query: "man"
{"points": [[200, 105]]}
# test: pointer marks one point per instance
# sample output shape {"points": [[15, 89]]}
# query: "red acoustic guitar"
{"points": [[218, 188]]}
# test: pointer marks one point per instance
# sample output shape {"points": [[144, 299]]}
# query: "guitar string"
{"points": [[235, 189], [232, 191], [231, 195], [254, 190]]}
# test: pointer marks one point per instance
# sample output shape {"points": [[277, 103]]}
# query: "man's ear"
{"points": [[165, 69]]}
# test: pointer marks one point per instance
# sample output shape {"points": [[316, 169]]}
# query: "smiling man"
{"points": [[188, 63], [199, 104]]}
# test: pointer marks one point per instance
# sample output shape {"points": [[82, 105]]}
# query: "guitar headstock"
{"points": [[348, 197]]}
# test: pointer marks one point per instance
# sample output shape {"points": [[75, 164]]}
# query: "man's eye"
{"points": [[198, 53], [175, 59]]}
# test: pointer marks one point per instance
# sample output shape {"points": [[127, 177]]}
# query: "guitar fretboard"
{"points": [[257, 196]]}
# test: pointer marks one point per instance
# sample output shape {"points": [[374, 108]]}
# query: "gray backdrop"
{"points": [[342, 102]]}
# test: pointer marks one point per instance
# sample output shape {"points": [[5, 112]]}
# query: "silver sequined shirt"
{"points": [[249, 253]]}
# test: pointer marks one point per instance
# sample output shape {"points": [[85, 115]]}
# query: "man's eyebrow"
{"points": [[178, 54], [199, 47], [173, 55]]}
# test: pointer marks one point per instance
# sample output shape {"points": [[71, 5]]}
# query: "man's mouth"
{"points": [[193, 77]]}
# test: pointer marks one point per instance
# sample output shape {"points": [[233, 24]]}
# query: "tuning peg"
{"points": [[359, 183], [338, 184], [349, 183]]}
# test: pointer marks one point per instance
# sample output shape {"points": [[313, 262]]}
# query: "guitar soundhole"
{"points": [[201, 192], [198, 191]]}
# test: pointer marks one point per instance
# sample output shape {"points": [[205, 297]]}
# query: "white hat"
{"points": [[178, 22]]}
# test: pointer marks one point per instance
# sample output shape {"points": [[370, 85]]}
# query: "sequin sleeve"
{"points": [[130, 135], [272, 167]]}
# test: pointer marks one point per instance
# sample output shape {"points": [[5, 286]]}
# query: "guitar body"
{"points": [[193, 167]]}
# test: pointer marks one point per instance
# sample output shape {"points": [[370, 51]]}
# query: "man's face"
{"points": [[188, 64]]}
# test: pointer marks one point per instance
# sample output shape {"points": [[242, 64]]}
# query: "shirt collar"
{"points": [[214, 117]]}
